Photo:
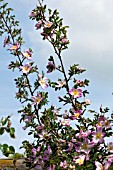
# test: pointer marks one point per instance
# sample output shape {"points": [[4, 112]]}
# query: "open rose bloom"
{"points": [[14, 47], [110, 147], [27, 54], [36, 99], [61, 83], [98, 135], [48, 24], [43, 82], [80, 159], [26, 68], [76, 114], [76, 93], [104, 166]]}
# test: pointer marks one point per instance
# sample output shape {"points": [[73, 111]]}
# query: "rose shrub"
{"points": [[63, 139]]}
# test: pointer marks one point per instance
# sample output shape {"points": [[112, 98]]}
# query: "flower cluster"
{"points": [[62, 139]]}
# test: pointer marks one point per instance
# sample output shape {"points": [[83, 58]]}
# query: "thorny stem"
{"points": [[69, 78], [58, 69], [58, 53], [67, 86], [29, 86], [32, 95], [9, 31], [82, 120], [39, 2], [63, 71]]}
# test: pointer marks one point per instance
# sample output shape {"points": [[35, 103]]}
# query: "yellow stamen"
{"points": [[80, 161], [38, 100], [26, 69], [85, 146], [77, 115], [14, 47], [27, 55], [98, 135], [75, 92], [42, 81], [110, 148]]}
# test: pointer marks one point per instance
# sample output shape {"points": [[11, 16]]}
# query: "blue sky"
{"points": [[91, 45]]}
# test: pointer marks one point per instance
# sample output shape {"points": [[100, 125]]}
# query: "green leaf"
{"points": [[8, 151], [11, 156], [1, 32], [4, 148], [1, 131], [3, 121], [7, 129], [12, 132], [3, 6], [49, 11], [12, 149], [18, 155]]}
